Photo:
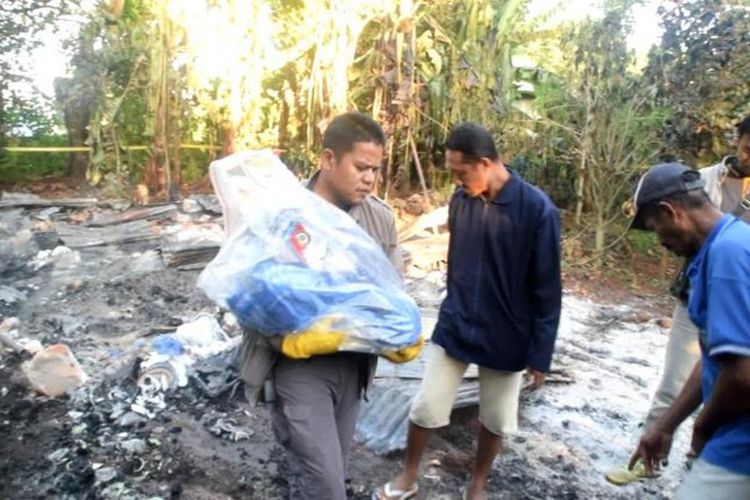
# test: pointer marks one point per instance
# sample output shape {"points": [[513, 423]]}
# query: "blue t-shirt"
{"points": [[720, 306]]}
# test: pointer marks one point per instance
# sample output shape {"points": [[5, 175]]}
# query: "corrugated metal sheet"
{"points": [[384, 419]]}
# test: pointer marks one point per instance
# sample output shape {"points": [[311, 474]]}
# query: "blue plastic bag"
{"points": [[291, 259]]}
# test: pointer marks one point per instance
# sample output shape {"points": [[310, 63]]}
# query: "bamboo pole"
{"points": [[418, 164]]}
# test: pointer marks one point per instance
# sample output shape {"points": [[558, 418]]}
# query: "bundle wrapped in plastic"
{"points": [[295, 266]]}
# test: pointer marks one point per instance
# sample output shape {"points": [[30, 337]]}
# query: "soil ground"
{"points": [[99, 303]]}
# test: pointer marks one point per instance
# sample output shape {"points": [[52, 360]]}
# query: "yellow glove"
{"points": [[405, 354], [319, 339]]}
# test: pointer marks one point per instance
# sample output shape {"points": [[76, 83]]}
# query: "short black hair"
{"points": [[695, 198], [350, 128], [743, 127], [473, 141]]}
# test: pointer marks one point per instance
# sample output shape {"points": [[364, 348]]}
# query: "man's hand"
{"points": [[653, 449], [536, 379]]}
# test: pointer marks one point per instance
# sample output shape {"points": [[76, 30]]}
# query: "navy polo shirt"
{"points": [[504, 295]]}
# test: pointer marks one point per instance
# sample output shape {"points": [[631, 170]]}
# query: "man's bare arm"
{"points": [[656, 442], [730, 398]]}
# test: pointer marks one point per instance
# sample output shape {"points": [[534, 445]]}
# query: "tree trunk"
{"points": [[283, 135], [585, 148], [600, 232], [228, 146], [77, 104], [3, 117], [580, 185], [174, 126], [156, 175], [176, 177], [116, 7]]}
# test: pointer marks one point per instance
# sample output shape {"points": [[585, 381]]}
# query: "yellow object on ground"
{"points": [[405, 354], [317, 340], [621, 477]]}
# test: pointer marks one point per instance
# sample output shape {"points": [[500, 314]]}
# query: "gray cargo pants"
{"points": [[313, 417], [681, 355]]}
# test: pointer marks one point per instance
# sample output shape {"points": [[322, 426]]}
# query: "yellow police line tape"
{"points": [[73, 149]]}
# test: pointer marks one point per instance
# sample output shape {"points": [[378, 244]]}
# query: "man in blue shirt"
{"points": [[502, 308], [670, 200]]}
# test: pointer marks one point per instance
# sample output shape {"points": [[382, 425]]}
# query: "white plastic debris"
{"points": [[105, 475], [228, 428], [190, 206], [134, 446], [163, 372], [31, 345], [60, 255], [10, 295], [58, 455], [169, 364], [202, 331], [21, 238], [9, 324]]}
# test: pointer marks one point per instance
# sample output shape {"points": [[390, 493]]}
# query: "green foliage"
{"points": [[598, 121], [111, 80], [20, 23], [20, 166], [643, 242], [424, 70], [195, 165], [581, 124], [700, 72]]}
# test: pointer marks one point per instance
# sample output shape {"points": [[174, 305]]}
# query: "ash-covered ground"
{"points": [[107, 302]]}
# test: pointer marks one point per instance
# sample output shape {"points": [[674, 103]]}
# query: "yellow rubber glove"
{"points": [[319, 339], [405, 354]]}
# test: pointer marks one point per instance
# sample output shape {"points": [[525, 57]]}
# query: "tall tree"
{"points": [[606, 114], [426, 67], [700, 71], [20, 23]]}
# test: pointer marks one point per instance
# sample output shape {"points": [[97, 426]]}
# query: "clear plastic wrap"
{"points": [[293, 263]]}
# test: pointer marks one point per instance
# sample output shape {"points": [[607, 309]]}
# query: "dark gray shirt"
{"points": [[376, 218]]}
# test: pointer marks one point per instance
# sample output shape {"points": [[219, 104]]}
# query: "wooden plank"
{"points": [[189, 255], [25, 200], [428, 253], [209, 202], [148, 213], [83, 237], [419, 226]]}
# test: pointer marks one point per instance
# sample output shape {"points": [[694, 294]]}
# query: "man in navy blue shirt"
{"points": [[502, 308], [670, 200]]}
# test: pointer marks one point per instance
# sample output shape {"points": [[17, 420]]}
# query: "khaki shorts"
{"points": [[498, 393]]}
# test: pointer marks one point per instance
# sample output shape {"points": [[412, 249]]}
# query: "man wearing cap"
{"points": [[726, 184], [671, 201]]}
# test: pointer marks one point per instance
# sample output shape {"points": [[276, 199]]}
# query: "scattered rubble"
{"points": [[162, 413]]}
